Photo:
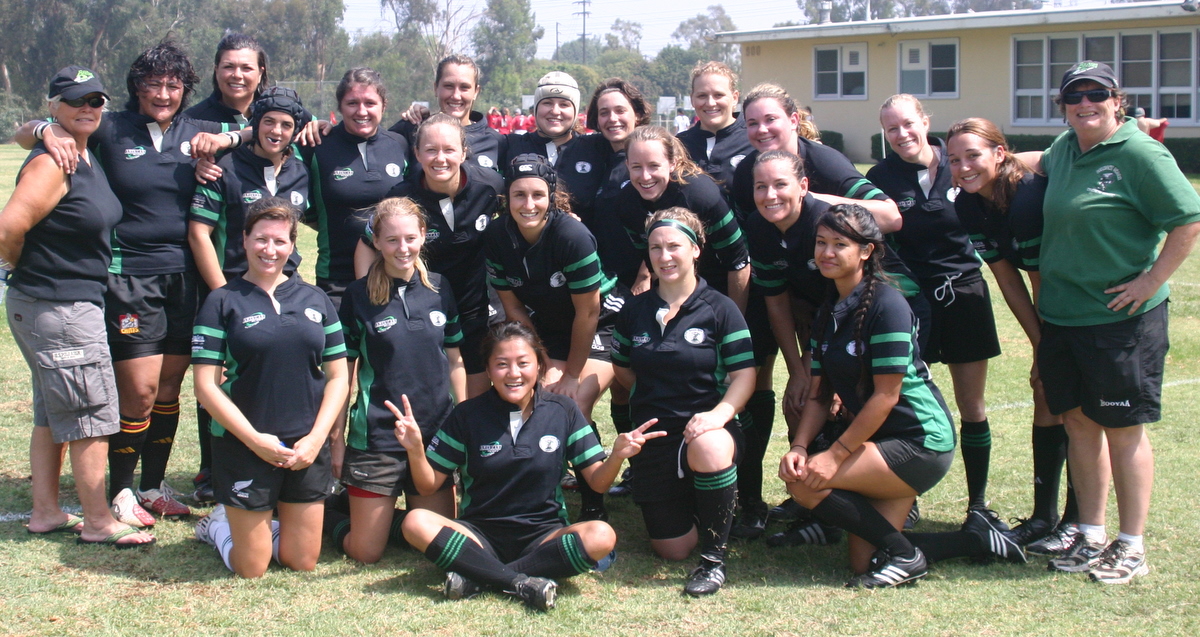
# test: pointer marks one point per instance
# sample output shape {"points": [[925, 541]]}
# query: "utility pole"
{"points": [[556, 41], [585, 13]]}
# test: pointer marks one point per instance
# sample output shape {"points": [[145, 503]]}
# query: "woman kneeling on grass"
{"points": [[281, 342], [512, 444], [900, 442]]}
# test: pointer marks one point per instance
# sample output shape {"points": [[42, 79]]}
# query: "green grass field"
{"points": [[52, 586]]}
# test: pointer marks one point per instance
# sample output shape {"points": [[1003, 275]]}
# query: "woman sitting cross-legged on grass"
{"points": [[513, 444], [900, 442]]}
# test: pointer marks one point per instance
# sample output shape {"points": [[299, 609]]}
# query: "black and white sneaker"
{"points": [[536, 592], [1080, 558], [787, 511], [994, 541], [892, 571], [1030, 530], [1057, 542], [706, 579], [459, 587], [914, 516], [806, 532]]}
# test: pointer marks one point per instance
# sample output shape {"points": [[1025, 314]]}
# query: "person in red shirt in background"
{"points": [[1155, 128], [494, 119]]}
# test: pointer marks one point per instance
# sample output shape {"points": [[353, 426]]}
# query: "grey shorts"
{"points": [[65, 345]]}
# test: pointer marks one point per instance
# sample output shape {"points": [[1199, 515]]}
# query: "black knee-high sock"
{"points": [[1049, 456], [559, 558], [589, 498], [760, 410], [1071, 506], [124, 449], [976, 454], [453, 551], [621, 419], [944, 546], [160, 438], [396, 534], [716, 498], [855, 514], [337, 527], [204, 435]]}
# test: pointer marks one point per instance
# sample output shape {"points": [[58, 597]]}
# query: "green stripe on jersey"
{"points": [[210, 193], [578, 435], [736, 336], [893, 361], [205, 213], [336, 326], [445, 464], [590, 453], [737, 358], [454, 444], [208, 331], [588, 260], [578, 285], [891, 337], [208, 353], [340, 348]]}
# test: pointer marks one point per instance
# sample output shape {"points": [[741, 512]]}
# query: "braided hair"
{"points": [[856, 224]]}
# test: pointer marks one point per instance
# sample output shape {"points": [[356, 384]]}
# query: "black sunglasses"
{"points": [[1094, 96], [95, 102]]}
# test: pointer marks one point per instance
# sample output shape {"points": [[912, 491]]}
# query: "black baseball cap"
{"points": [[73, 82], [1097, 72]]}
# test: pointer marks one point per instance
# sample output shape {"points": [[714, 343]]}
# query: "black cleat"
{"points": [[788, 511], [1029, 531], [914, 516], [888, 571], [536, 592], [706, 579], [806, 532], [993, 518], [458, 587], [589, 514], [994, 541], [751, 524], [625, 487]]}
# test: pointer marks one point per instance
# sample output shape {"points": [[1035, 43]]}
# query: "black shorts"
{"points": [[663, 484], [761, 336], [918, 467], [244, 481], [381, 472], [923, 316], [558, 341], [1113, 371], [474, 328], [334, 289], [507, 541], [962, 328], [150, 314]]}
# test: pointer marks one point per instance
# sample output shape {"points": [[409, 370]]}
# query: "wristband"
{"points": [[235, 139], [39, 131], [801, 446], [839, 441]]}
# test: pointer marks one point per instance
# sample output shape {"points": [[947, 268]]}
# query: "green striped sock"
{"points": [[977, 455], [716, 499], [560, 558], [453, 551]]}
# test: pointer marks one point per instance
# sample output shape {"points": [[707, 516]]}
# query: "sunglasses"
{"points": [[95, 102], [1094, 96]]}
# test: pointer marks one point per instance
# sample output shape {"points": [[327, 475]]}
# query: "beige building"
{"points": [[1003, 65]]}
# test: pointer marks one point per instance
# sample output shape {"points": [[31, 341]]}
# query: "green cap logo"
{"points": [[83, 75], [1084, 66]]}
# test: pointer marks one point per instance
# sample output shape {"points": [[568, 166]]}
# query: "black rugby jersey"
{"points": [[212, 109], [272, 359], [65, 256], [222, 204], [784, 261], [724, 247], [720, 153], [1015, 234], [828, 171], [680, 369], [485, 145], [620, 258], [932, 241], [401, 349], [455, 250], [580, 164], [889, 338], [349, 174], [514, 483], [544, 275], [155, 188]]}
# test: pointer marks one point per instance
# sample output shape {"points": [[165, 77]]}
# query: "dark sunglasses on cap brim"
{"points": [[95, 101], [1094, 96]]}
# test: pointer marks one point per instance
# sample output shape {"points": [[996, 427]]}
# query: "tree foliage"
{"points": [[696, 35], [505, 42]]}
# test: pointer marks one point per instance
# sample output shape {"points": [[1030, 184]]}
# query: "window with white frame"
{"points": [[1156, 67], [840, 72], [929, 68]]}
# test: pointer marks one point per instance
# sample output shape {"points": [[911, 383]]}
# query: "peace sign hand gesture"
{"points": [[630, 444], [407, 431]]}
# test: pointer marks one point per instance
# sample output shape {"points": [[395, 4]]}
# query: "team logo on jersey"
{"points": [[812, 265], [735, 160], [852, 348], [437, 318], [135, 152], [239, 488], [641, 339], [197, 341], [906, 203], [253, 319], [432, 235], [1108, 175], [128, 324], [695, 336], [549, 444], [384, 325], [342, 174], [297, 198], [513, 282], [313, 315], [781, 264], [583, 167], [624, 183], [393, 170], [186, 148], [481, 222], [251, 197], [952, 194], [433, 445], [557, 280], [490, 449], [486, 161]]}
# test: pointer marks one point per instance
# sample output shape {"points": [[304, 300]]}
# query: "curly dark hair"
{"points": [[165, 59]]}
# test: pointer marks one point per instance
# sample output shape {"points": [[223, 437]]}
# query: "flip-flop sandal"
{"points": [[73, 524], [114, 540]]}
